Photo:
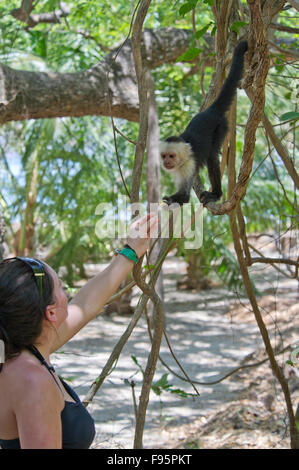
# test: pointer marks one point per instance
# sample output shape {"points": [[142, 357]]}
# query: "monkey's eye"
{"points": [[163, 155], [171, 155]]}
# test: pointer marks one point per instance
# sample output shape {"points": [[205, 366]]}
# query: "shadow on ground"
{"points": [[207, 342]]}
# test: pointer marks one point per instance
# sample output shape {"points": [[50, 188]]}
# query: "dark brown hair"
{"points": [[22, 308]]}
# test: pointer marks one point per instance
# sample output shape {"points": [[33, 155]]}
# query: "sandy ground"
{"points": [[209, 342]]}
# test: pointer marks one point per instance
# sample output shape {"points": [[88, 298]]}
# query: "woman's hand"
{"points": [[141, 231]]}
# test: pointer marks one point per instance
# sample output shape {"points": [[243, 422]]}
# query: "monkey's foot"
{"points": [[207, 196], [175, 199]]}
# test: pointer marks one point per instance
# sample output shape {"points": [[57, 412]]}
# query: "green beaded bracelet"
{"points": [[128, 252]]}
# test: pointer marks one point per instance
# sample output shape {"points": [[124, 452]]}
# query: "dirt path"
{"points": [[209, 343]]}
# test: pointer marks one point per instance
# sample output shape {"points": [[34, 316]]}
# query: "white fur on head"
{"points": [[186, 166], [181, 149]]}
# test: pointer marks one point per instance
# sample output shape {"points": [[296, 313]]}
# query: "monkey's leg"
{"points": [[215, 179], [198, 186], [214, 165]]}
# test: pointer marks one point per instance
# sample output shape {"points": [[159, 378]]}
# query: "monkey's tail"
{"points": [[226, 95]]}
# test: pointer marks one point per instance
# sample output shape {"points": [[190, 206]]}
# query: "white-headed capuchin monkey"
{"points": [[201, 141]]}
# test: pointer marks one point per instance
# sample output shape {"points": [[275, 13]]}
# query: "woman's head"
{"points": [[24, 297]]}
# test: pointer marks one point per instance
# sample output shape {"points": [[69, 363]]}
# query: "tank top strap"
{"points": [[40, 357], [43, 361]]}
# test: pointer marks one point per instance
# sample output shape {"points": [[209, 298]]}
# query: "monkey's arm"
{"points": [[182, 196]]}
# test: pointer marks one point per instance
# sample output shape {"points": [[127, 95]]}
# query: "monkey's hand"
{"points": [[176, 198], [207, 196], [167, 199]]}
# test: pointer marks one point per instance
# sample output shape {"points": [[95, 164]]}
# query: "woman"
{"points": [[39, 410]]}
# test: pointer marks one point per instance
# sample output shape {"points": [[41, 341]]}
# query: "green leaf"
{"points": [[202, 31], [187, 7], [71, 378], [289, 115], [156, 390], [134, 359], [236, 25], [290, 363], [147, 267], [213, 32], [163, 382], [279, 65], [190, 55], [160, 385]]}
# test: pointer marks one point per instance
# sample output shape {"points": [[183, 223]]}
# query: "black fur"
{"points": [[206, 132]]}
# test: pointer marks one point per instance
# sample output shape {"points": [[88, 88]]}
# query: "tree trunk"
{"points": [[153, 182], [195, 278], [27, 229]]}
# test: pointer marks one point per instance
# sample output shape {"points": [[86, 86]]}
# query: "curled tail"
{"points": [[226, 95]]}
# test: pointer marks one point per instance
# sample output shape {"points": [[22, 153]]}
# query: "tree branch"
{"points": [[34, 95], [275, 260], [23, 14], [287, 29], [115, 352], [288, 54], [143, 82], [292, 276], [142, 75]]}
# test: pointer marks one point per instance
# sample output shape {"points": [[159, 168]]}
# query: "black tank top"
{"points": [[78, 429]]}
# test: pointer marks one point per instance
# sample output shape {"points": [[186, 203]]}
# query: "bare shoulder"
{"points": [[29, 382]]}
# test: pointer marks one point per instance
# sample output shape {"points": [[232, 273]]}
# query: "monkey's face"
{"points": [[169, 160], [174, 154]]}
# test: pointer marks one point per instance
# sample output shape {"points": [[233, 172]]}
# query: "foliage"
{"points": [[77, 167], [74, 177], [63, 168]]}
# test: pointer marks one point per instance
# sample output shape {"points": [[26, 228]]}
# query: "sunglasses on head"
{"points": [[36, 267], [38, 271]]}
